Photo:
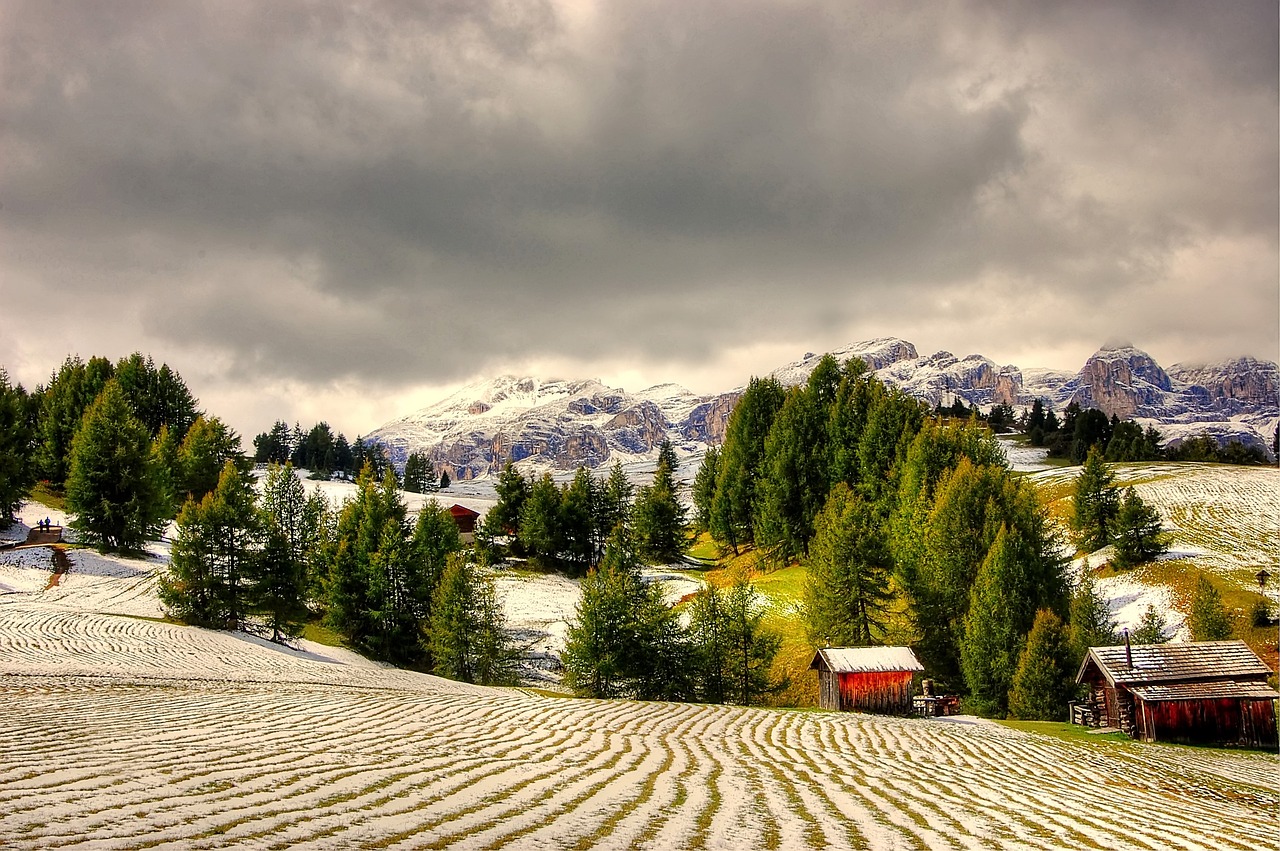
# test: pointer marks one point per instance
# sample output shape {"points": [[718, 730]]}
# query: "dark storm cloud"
{"points": [[410, 192]]}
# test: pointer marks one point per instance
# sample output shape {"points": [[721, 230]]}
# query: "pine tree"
{"points": [[540, 523], [658, 519], [704, 489], [468, 637], [741, 462], [112, 487], [293, 538], [63, 404], [1096, 504], [1208, 619], [578, 526], [795, 481], [847, 590], [1045, 679], [435, 539], [614, 508], [1138, 538], [1152, 628], [208, 445], [1090, 623], [444, 480], [17, 446], [1002, 609], [752, 647], [215, 552]]}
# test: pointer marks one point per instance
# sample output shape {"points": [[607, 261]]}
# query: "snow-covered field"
{"points": [[120, 731]]}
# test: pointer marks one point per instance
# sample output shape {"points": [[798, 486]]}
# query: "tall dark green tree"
{"points": [[293, 537], [215, 552], [1045, 678], [541, 530], [208, 445], [848, 586], [1137, 532], [794, 483], [1089, 623], [1096, 504], [704, 489], [742, 460], [658, 518], [112, 488], [578, 511], [468, 636], [64, 401], [419, 474], [273, 446], [17, 446]]}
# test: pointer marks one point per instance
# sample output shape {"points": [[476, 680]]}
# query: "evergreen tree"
{"points": [[1045, 679], [540, 526], [164, 463], [847, 591], [214, 552], [17, 446], [614, 508], [1152, 628], [444, 480], [795, 481], [1137, 535], [208, 445], [704, 489], [468, 638], [158, 397], [1096, 504], [112, 487], [1090, 623], [293, 528], [435, 539], [419, 476], [64, 402], [272, 446], [512, 490], [752, 647], [1208, 619], [710, 639], [742, 460], [624, 640], [1002, 608], [578, 525], [658, 518]]}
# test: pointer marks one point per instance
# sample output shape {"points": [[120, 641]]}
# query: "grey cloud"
{"points": [[450, 185]]}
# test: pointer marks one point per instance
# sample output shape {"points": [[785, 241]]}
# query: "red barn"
{"points": [[865, 679], [1199, 692], [466, 519]]}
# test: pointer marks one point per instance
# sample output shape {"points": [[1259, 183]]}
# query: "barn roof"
{"points": [[462, 511], [861, 660], [1171, 663]]}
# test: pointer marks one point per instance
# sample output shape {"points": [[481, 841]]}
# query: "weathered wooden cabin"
{"points": [[865, 679], [1200, 692]]}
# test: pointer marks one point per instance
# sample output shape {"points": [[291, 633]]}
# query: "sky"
{"points": [[342, 211]]}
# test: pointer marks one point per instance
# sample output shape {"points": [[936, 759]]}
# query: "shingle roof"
{"points": [[1180, 662], [1205, 691], [858, 660]]}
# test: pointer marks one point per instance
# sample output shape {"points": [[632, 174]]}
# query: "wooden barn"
{"points": [[1202, 692], [865, 679], [466, 520]]}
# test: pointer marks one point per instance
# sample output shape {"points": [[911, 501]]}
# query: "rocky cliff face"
{"points": [[560, 425]]}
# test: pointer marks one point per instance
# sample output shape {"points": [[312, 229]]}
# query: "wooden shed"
{"points": [[1200, 692], [865, 679]]}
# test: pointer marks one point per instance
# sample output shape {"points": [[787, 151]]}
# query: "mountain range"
{"points": [[564, 424]]}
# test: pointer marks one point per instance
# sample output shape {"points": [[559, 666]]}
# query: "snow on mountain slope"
{"points": [[559, 425]]}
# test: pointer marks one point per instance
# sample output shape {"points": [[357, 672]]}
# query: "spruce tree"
{"points": [[63, 404], [541, 530], [578, 509], [847, 591], [215, 553], [208, 445], [1151, 629], [751, 646], [1045, 679], [1090, 623], [1208, 619], [293, 530], [1096, 504], [468, 638], [658, 519], [742, 460], [112, 487], [17, 446], [1138, 536], [704, 489]]}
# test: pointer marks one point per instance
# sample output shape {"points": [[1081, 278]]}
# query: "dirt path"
{"points": [[61, 564]]}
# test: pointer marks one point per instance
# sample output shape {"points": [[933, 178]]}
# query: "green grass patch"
{"points": [[1066, 732], [316, 631], [45, 494]]}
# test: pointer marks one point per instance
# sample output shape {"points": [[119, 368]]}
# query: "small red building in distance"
{"points": [[466, 520], [866, 679]]}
